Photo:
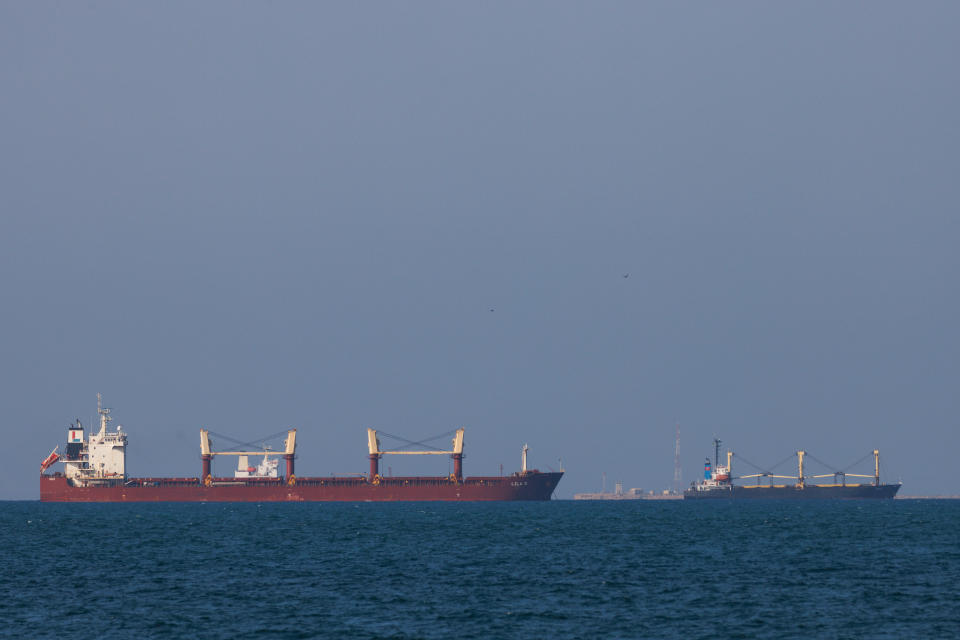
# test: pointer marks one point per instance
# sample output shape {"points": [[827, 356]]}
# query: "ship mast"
{"points": [[800, 480], [104, 416]]}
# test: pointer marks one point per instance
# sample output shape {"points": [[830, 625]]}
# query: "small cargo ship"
{"points": [[717, 483], [94, 470]]}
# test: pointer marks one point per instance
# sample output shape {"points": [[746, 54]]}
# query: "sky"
{"points": [[571, 225]]}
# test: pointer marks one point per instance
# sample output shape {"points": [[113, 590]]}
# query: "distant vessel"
{"points": [[718, 483], [95, 471]]}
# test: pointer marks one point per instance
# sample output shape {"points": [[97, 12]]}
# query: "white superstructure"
{"points": [[268, 467], [716, 477], [101, 457]]}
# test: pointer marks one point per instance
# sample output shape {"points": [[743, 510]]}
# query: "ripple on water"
{"points": [[509, 570]]}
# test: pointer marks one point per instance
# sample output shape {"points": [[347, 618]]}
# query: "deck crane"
{"points": [[207, 453], [456, 452]]}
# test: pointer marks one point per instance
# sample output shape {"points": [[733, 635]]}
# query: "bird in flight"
{"points": [[626, 275]]}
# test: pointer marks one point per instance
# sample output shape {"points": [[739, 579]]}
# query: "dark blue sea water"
{"points": [[886, 569]]}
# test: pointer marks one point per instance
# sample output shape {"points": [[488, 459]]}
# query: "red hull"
{"points": [[530, 486]]}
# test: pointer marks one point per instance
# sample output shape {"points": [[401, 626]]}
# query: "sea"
{"points": [[560, 569]]}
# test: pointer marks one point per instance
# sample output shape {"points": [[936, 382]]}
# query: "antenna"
{"points": [[676, 463]]}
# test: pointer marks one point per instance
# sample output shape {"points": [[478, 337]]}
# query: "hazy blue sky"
{"points": [[248, 216]]}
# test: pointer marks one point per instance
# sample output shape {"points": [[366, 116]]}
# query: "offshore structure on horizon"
{"points": [[637, 493]]}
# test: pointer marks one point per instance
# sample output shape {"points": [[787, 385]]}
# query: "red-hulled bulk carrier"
{"points": [[95, 471]]}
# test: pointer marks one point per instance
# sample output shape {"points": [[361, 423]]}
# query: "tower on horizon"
{"points": [[676, 463]]}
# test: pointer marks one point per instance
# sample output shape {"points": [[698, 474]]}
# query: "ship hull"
{"points": [[809, 492], [529, 486]]}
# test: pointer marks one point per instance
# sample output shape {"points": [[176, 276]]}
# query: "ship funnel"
{"points": [[74, 441]]}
